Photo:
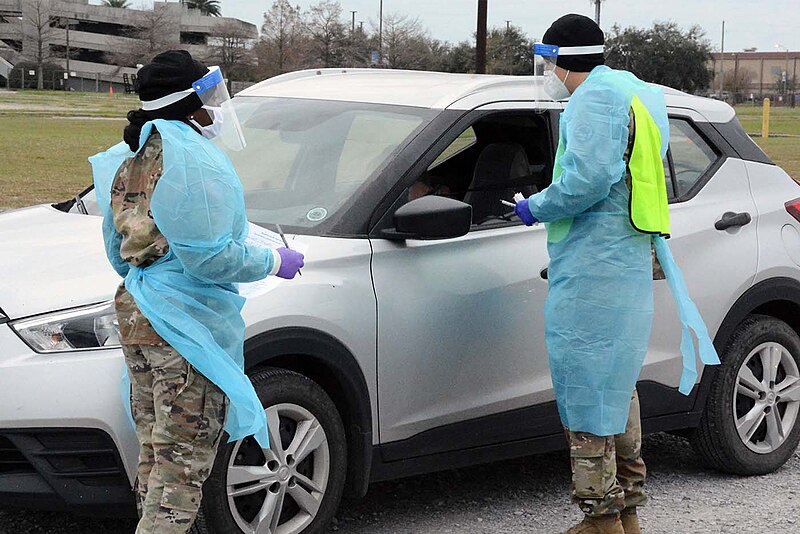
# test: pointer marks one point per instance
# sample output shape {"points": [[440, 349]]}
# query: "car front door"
{"points": [[461, 354]]}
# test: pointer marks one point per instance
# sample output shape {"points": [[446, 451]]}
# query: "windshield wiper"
{"points": [[78, 201]]}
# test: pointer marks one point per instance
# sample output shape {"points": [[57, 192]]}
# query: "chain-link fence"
{"points": [[58, 79]]}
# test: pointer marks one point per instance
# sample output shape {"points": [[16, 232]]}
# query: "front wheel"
{"points": [[751, 424], [293, 487]]}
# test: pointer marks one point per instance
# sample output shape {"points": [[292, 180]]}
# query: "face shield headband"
{"points": [[205, 87], [546, 55]]}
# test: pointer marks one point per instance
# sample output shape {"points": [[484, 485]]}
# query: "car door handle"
{"points": [[731, 220]]}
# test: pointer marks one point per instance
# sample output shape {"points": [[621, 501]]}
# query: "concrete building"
{"points": [[760, 74], [102, 44]]}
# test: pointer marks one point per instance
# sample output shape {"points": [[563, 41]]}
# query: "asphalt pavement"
{"points": [[529, 495]]}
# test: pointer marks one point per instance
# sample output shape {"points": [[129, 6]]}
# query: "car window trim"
{"points": [[672, 179]]}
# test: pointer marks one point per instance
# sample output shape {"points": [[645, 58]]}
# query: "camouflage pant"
{"points": [[179, 416], [608, 472]]}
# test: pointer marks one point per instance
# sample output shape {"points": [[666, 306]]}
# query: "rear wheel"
{"points": [[294, 486], [751, 426]]}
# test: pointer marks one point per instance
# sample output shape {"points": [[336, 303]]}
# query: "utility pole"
{"points": [[67, 51], [353, 28], [785, 73], [508, 48], [480, 49], [722, 65], [66, 22], [380, 34], [597, 11]]}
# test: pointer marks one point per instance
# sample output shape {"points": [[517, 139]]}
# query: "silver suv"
{"points": [[414, 340]]}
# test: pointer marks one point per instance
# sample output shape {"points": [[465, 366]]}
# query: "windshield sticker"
{"points": [[316, 214]]}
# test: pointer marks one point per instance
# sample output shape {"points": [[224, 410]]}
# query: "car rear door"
{"points": [[710, 198]]}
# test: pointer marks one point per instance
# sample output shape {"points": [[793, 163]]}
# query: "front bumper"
{"points": [[65, 440]]}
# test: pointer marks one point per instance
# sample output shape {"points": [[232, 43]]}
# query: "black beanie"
{"points": [[576, 30], [168, 73]]}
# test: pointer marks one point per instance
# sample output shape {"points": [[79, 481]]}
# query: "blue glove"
{"points": [[523, 211], [291, 263]]}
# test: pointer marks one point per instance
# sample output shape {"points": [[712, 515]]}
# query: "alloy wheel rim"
{"points": [[766, 400], [279, 490]]}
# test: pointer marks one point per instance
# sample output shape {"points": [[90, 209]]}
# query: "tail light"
{"points": [[793, 207]]}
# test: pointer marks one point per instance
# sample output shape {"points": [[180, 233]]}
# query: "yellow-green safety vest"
{"points": [[649, 205]]}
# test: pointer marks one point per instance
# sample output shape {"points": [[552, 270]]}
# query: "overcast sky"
{"points": [[748, 23]]}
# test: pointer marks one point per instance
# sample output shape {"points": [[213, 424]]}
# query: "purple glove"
{"points": [[523, 211], [291, 263]]}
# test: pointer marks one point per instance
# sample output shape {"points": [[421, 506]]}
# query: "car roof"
{"points": [[439, 90]]}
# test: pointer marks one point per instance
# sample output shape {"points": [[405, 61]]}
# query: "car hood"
{"points": [[50, 260]]}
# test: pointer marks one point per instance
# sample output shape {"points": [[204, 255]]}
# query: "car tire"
{"points": [[747, 428], [302, 406]]}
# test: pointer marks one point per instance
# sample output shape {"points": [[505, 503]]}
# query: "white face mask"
{"points": [[212, 130], [554, 87]]}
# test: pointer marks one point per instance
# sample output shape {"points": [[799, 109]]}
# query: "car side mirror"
{"points": [[431, 217]]}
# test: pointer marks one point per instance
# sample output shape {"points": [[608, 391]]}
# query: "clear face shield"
{"points": [[214, 94], [545, 56]]}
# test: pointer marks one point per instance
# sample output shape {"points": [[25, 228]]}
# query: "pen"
{"points": [[286, 244]]}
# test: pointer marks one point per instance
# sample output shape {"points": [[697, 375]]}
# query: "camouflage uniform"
{"points": [[608, 472], [179, 413]]}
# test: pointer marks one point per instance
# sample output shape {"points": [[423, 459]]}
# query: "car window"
{"points": [[691, 155], [370, 139], [463, 142], [487, 163]]}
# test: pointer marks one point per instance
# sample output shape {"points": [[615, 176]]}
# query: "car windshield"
{"points": [[306, 160]]}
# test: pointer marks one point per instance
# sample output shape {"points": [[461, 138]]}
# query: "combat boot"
{"points": [[630, 521], [606, 524]]}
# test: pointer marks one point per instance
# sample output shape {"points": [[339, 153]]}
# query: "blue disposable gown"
{"points": [[189, 296], [599, 309]]}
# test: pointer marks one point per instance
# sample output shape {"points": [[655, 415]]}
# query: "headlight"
{"points": [[90, 327]]}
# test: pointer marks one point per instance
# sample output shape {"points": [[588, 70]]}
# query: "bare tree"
{"points": [[327, 34], [738, 80], [37, 17], [151, 37], [405, 43], [282, 39], [357, 48], [232, 48]]}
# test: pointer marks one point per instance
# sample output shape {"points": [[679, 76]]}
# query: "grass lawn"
{"points": [[785, 151], [65, 104], [43, 157], [782, 120]]}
